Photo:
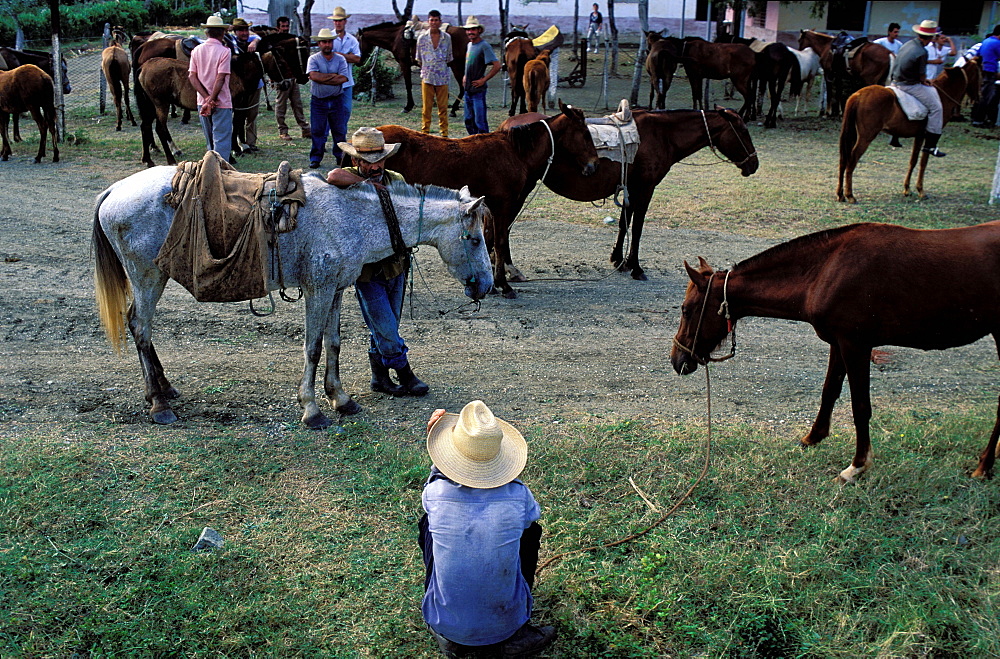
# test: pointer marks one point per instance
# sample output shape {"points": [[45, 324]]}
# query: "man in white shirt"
{"points": [[891, 39]]}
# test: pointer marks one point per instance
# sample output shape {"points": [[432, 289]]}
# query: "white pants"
{"points": [[928, 95]]}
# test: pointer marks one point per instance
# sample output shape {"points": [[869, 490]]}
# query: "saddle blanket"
{"points": [[616, 137], [758, 46], [911, 107]]}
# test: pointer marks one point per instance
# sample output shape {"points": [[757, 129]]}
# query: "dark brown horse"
{"points": [[859, 286], [391, 37], [868, 66], [503, 166], [719, 61], [28, 89], [667, 137], [661, 64], [874, 109], [773, 64], [517, 52]]}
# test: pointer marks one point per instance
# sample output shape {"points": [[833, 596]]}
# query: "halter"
{"points": [[723, 311], [552, 141], [711, 145]]}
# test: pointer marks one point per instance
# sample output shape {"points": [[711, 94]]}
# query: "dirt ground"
{"points": [[593, 348]]}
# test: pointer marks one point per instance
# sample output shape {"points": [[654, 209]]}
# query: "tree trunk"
{"points": [[461, 21], [307, 21], [640, 60], [614, 37], [576, 31], [57, 81]]}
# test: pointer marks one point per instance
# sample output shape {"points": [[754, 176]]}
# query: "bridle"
{"points": [[723, 311], [711, 145]]}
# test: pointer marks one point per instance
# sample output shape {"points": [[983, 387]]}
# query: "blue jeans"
{"points": [[218, 131], [475, 112], [327, 115], [381, 303]]}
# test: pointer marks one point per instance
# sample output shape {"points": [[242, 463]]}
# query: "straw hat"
{"points": [[241, 23], [339, 14], [476, 449], [325, 35], [368, 144], [473, 22], [927, 28], [214, 21]]}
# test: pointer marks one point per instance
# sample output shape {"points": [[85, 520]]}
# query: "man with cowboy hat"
{"points": [[381, 286], [244, 41], [328, 71], [909, 75], [346, 45], [209, 72], [479, 537], [478, 57]]}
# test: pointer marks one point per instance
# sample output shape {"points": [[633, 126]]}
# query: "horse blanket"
{"points": [[616, 137], [911, 107]]}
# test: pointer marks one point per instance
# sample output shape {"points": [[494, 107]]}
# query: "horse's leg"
{"points": [[748, 98], [920, 174], [501, 251], [128, 106], [170, 150], [407, 82], [147, 291], [695, 81], [319, 310], [17, 127], [639, 204], [853, 157], [342, 402], [42, 123], [918, 142], [832, 386], [618, 251], [775, 91], [856, 360], [5, 150], [989, 454]]}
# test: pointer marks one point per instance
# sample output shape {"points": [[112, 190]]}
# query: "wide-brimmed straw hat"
{"points": [[473, 22], [325, 35], [927, 28], [339, 14], [476, 449], [368, 144], [214, 21], [241, 22]]}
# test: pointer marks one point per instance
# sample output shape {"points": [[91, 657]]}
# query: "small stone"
{"points": [[610, 220], [210, 539]]}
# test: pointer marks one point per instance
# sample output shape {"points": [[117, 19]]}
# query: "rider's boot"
{"points": [[930, 145]]}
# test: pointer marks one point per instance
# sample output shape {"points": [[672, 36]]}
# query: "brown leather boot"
{"points": [[528, 640], [410, 382], [381, 381]]}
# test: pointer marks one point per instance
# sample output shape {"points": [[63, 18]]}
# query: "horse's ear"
{"points": [[563, 107], [465, 194], [701, 275], [471, 208]]}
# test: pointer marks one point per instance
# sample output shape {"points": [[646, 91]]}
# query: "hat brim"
{"points": [[473, 27], [501, 470], [339, 18], [370, 156], [205, 26], [924, 32]]}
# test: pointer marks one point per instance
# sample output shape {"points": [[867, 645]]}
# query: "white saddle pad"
{"points": [[911, 107], [615, 141]]}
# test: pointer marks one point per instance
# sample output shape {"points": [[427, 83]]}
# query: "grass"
{"points": [[768, 558]]}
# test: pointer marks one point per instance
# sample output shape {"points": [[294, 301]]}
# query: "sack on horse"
{"points": [[224, 220]]}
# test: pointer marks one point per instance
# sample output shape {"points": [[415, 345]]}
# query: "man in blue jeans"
{"points": [[381, 285], [328, 71], [478, 57]]}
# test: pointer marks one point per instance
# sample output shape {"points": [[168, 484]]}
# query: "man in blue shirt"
{"points": [[478, 57], [328, 71], [984, 112], [479, 537]]}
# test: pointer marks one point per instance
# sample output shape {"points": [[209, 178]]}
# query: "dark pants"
{"points": [[985, 110], [327, 115]]}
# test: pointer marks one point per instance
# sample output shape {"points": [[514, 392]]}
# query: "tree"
{"points": [[614, 37], [407, 10], [640, 60]]}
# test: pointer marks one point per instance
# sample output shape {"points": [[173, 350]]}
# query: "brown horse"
{"points": [[719, 61], [536, 81], [503, 166], [667, 137], [874, 109], [774, 63], [391, 37], [114, 64], [10, 59], [517, 52], [661, 64], [28, 89], [868, 66], [859, 286], [164, 82]]}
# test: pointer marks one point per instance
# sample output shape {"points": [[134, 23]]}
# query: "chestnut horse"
{"points": [[774, 64], [667, 137], [869, 66], [517, 52], [10, 59], [874, 109], [536, 81], [114, 64], [390, 36], [503, 166], [719, 61], [661, 64], [28, 89], [859, 286]]}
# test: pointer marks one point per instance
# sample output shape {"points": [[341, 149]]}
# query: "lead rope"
{"points": [[552, 141]]}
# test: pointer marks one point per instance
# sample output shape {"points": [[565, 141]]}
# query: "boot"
{"points": [[528, 640], [895, 143], [930, 146], [381, 381], [412, 385]]}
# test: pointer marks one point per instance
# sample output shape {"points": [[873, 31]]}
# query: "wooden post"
{"points": [[57, 78], [104, 83]]}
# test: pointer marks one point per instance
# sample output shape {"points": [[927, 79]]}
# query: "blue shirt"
{"points": [[336, 64], [477, 594], [347, 44], [990, 52]]}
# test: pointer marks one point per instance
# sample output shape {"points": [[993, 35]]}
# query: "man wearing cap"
{"points": [[328, 71], [290, 95], [910, 76], [381, 286], [479, 537], [245, 41], [347, 46], [984, 112], [434, 54], [208, 72], [478, 57]]}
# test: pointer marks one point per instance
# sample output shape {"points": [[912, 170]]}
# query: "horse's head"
{"points": [[704, 323], [734, 142], [289, 56], [65, 76], [573, 138], [462, 244], [973, 77]]}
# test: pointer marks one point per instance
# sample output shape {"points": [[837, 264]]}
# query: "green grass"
{"points": [[768, 558]]}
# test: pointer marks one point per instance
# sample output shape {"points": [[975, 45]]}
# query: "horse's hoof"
{"points": [[639, 275], [852, 200], [178, 154], [55, 158], [517, 276], [509, 293], [118, 129], [164, 417], [979, 474], [349, 408], [318, 421], [39, 160]]}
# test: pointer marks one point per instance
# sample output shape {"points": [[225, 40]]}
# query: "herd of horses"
{"points": [[859, 286]]}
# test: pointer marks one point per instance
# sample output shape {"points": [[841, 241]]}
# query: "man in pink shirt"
{"points": [[209, 74]]}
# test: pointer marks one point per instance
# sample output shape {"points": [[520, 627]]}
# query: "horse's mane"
{"points": [[380, 26], [797, 245], [416, 193]]}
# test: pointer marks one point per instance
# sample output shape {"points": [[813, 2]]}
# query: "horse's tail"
{"points": [[111, 287], [849, 129], [795, 76]]}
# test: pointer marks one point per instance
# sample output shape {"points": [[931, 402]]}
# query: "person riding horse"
{"points": [[910, 75]]}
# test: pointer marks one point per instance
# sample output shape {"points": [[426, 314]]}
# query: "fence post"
{"points": [[104, 83]]}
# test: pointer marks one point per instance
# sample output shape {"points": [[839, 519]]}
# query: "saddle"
{"points": [[909, 104], [758, 46], [615, 137], [845, 48], [186, 45], [224, 222]]}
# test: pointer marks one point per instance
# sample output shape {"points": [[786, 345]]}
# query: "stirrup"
{"points": [[936, 152]]}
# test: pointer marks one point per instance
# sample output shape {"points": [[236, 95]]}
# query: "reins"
{"points": [[715, 151]]}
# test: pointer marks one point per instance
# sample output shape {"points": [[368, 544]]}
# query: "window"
{"points": [[846, 15]]}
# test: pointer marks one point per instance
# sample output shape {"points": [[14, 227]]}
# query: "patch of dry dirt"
{"points": [[594, 350]]}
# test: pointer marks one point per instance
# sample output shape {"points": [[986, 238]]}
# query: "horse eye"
{"points": [[684, 311]]}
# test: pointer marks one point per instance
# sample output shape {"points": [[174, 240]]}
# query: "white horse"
{"points": [[338, 232], [809, 68]]}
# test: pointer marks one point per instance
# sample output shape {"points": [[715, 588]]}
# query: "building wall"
{"points": [[907, 14]]}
